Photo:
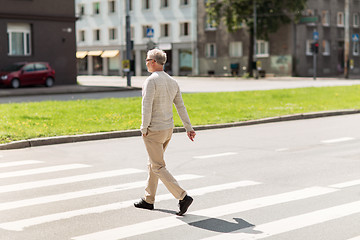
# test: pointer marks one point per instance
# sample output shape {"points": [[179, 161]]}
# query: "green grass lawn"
{"points": [[21, 121]]}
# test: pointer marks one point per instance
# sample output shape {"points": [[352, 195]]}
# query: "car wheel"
{"points": [[15, 83], [49, 82]]}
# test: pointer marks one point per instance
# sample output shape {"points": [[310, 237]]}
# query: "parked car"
{"points": [[27, 73]]}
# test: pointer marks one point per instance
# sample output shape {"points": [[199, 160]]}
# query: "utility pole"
{"points": [[347, 40], [254, 57], [128, 42]]}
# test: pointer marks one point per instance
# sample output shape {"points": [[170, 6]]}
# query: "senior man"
{"points": [[160, 92]]}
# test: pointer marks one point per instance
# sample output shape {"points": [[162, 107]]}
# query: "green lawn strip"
{"points": [[20, 121]]}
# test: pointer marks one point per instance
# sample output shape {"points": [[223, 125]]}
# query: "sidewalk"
{"points": [[93, 84]]}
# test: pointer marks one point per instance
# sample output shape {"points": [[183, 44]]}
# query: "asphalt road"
{"points": [[290, 180]]}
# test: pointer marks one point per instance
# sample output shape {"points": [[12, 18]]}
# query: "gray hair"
{"points": [[158, 55]]}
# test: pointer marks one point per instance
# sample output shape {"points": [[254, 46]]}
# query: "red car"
{"points": [[27, 73]]}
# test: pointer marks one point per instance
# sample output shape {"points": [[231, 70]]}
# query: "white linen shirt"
{"points": [[159, 92]]}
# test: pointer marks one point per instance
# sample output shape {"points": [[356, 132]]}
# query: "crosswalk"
{"points": [[26, 220]]}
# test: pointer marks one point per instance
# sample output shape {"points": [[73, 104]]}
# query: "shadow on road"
{"points": [[215, 224]]}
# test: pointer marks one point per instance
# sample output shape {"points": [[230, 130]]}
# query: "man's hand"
{"points": [[191, 135]]}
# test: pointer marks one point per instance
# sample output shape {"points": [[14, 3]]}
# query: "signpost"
{"points": [[315, 49]]}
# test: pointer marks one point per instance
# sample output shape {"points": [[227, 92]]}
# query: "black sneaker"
{"points": [[143, 204], [184, 205]]}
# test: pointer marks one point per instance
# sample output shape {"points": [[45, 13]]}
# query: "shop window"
{"points": [[186, 61], [19, 39]]}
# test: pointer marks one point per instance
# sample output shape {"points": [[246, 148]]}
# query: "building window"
{"points": [[325, 18], [184, 2], [19, 39], [235, 49], [97, 35], [356, 20], [112, 6], [81, 9], [145, 28], [308, 47], [82, 35], [210, 50], [262, 48], [146, 4], [356, 48], [112, 34], [130, 5], [340, 19], [165, 29], [326, 48], [210, 25], [164, 3], [184, 29], [96, 8]]}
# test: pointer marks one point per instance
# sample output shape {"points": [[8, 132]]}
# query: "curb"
{"points": [[132, 133]]}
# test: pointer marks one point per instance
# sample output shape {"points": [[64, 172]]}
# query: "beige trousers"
{"points": [[156, 143]]}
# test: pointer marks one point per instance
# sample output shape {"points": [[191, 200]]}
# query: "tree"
{"points": [[270, 15]]}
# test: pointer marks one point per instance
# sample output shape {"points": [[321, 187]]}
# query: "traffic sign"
{"points": [[355, 37], [149, 32], [316, 36]]}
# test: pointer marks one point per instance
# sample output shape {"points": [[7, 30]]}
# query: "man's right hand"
{"points": [[191, 135]]}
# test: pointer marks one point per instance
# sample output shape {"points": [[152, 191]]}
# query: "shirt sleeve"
{"points": [[148, 94], [181, 109]]}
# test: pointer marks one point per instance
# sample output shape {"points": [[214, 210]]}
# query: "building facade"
{"points": [[288, 51], [39, 30], [169, 25]]}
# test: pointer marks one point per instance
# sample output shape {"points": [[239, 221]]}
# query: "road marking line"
{"points": [[85, 193], [355, 238], [344, 139], [18, 163], [21, 224], [216, 155], [291, 223], [346, 184], [72, 179], [43, 170], [168, 222]]}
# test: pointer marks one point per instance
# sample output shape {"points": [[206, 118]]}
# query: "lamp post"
{"points": [[128, 41], [254, 55]]}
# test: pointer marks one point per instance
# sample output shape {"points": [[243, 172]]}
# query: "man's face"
{"points": [[150, 64]]}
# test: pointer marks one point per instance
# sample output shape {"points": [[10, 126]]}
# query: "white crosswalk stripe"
{"points": [[65, 180], [43, 170], [18, 163]]}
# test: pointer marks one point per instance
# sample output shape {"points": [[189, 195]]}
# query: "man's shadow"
{"points": [[215, 224]]}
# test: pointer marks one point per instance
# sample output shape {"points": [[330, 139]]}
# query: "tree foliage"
{"points": [[271, 14]]}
